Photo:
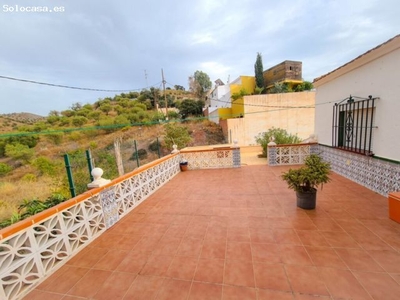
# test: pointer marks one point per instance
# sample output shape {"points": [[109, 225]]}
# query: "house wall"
{"points": [[375, 73], [291, 111], [285, 70], [217, 95]]}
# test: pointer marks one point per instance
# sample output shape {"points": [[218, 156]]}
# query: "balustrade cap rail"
{"points": [[293, 145]]}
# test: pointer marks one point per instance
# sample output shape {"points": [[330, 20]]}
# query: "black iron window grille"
{"points": [[353, 124]]}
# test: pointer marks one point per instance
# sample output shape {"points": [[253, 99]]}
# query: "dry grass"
{"points": [[13, 193]]}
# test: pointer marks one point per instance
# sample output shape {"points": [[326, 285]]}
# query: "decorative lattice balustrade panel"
{"points": [[221, 158], [31, 254], [291, 154], [380, 176]]}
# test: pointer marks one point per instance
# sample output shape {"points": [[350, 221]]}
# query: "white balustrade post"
{"points": [[98, 181]]}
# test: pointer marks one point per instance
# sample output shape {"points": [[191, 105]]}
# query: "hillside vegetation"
{"points": [[32, 170]]}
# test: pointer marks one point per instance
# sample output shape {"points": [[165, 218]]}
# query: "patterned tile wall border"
{"points": [[378, 175]]}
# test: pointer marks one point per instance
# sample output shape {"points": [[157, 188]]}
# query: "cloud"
{"points": [[113, 45]]}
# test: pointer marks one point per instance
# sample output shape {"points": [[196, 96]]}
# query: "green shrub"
{"points": [[46, 166], [280, 136], [153, 146], [5, 169], [142, 153], [29, 177], [176, 134], [18, 151], [56, 138]]}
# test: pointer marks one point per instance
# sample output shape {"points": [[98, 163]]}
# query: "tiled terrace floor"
{"points": [[237, 234]]}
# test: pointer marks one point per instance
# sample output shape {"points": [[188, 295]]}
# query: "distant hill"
{"points": [[23, 117]]}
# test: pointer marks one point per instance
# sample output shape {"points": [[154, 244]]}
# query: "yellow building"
{"points": [[242, 86]]}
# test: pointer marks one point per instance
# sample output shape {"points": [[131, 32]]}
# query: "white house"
{"points": [[357, 117]]}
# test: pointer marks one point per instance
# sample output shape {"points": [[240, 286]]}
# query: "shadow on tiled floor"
{"points": [[237, 234]]}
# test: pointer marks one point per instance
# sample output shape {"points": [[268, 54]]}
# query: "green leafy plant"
{"points": [[5, 169], [280, 137], [309, 177]]}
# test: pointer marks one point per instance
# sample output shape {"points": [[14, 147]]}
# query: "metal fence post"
{"points": [[69, 174], [137, 154], [90, 163]]}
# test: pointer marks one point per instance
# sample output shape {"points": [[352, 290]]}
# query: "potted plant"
{"points": [[306, 180], [183, 165]]}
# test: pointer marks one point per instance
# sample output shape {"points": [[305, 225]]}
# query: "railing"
{"points": [[38, 246], [294, 154], [212, 158]]}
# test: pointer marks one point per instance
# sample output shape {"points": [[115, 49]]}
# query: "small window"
{"points": [[353, 124], [290, 68]]}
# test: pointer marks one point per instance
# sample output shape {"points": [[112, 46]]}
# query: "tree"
{"points": [[189, 107], [179, 87], [176, 134], [258, 70], [199, 84]]}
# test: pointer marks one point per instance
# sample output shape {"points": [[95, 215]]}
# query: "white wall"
{"points": [[218, 94], [379, 78]]}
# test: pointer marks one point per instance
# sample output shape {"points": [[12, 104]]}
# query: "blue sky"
{"points": [[122, 45]]}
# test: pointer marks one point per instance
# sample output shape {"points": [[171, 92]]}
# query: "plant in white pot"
{"points": [[306, 180]]}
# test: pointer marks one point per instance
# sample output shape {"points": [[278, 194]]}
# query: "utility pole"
{"points": [[165, 96], [145, 76]]}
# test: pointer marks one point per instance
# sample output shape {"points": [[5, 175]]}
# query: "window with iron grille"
{"points": [[353, 124]]}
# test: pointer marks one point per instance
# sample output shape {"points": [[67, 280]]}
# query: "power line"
{"points": [[69, 87]]}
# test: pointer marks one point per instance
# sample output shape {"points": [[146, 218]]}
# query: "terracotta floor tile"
{"points": [[326, 224], [261, 235], [41, 295], [210, 270], [238, 234], [306, 280], [147, 243], [269, 253], [325, 257], [205, 291], [144, 288], [339, 239], [115, 286], [190, 247], [90, 283], [89, 258], [111, 260], [358, 259], [312, 297], [196, 231], [274, 295], [342, 284], [238, 293], [238, 251], [216, 232], [286, 236], [239, 273], [389, 260], [69, 276], [133, 262], [157, 265], [312, 238], [128, 242], [174, 290], [271, 276], [214, 249], [108, 240], [167, 246], [295, 255], [379, 285], [182, 267]]}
